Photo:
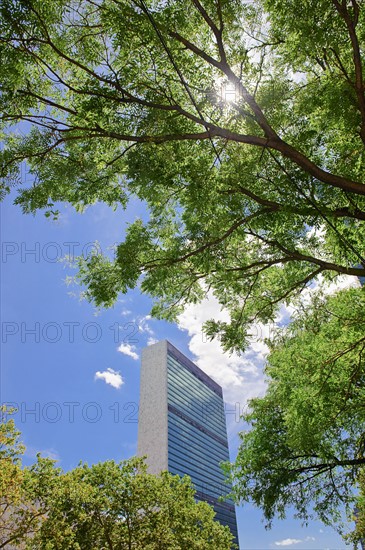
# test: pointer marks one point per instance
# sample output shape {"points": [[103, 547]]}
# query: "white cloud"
{"points": [[125, 312], [50, 453], [339, 283], [143, 325], [240, 376], [128, 349], [111, 377], [288, 542], [31, 452], [151, 341]]}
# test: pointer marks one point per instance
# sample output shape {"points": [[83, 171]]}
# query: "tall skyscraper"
{"points": [[182, 425]]}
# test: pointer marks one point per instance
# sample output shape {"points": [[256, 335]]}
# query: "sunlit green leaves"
{"points": [[106, 505], [306, 442], [123, 98]]}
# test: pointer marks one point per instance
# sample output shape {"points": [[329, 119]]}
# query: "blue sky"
{"points": [[73, 373]]}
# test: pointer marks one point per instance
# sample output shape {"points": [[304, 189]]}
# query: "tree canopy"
{"points": [[20, 513], [358, 535], [306, 445], [242, 127], [107, 505], [121, 506]]}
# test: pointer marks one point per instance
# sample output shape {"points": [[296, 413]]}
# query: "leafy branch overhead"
{"points": [[242, 127], [306, 445]]}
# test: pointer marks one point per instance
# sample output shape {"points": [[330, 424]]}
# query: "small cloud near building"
{"points": [[111, 377], [129, 350]]}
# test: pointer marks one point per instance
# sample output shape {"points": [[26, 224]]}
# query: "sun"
{"points": [[227, 91]]}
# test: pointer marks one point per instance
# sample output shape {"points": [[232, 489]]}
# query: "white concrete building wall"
{"points": [[152, 420]]}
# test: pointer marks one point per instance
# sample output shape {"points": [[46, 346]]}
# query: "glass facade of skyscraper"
{"points": [[197, 436]]}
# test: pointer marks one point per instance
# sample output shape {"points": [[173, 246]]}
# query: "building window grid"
{"points": [[189, 420], [176, 369], [219, 489], [213, 501], [178, 382], [226, 514], [214, 471], [212, 414], [181, 460], [205, 403], [176, 387], [201, 436], [207, 453], [198, 454], [204, 415], [182, 360], [201, 485], [203, 390]]}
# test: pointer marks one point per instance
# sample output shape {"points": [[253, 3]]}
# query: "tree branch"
{"points": [[344, 212], [328, 465], [356, 56], [325, 266]]}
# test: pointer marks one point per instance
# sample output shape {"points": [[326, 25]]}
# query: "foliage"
{"points": [[10, 471], [20, 509], [121, 98], [110, 505], [358, 536], [106, 505], [307, 439], [10, 451]]}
